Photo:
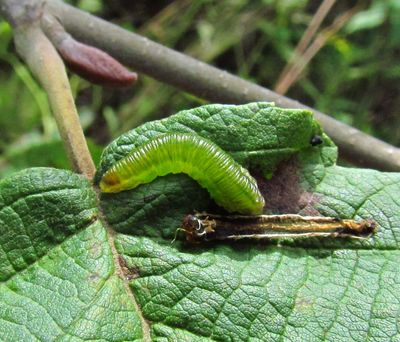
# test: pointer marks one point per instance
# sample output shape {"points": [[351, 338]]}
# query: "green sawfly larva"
{"points": [[229, 184]]}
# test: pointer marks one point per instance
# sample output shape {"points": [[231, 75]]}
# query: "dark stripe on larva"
{"points": [[229, 184]]}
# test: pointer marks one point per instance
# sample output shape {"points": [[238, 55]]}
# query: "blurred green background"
{"points": [[355, 76]]}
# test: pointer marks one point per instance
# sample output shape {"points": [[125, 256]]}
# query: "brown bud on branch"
{"points": [[94, 64], [87, 61]]}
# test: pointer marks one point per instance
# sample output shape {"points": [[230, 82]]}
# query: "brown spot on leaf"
{"points": [[303, 304], [94, 64], [96, 250], [282, 192], [129, 272], [306, 203]]}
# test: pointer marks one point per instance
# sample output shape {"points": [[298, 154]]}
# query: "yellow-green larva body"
{"points": [[229, 184]]}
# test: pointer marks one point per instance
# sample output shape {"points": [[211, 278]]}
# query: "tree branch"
{"points": [[45, 63], [191, 75]]}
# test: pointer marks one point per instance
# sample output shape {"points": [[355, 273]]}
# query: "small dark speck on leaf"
{"points": [[150, 198], [94, 277], [316, 140]]}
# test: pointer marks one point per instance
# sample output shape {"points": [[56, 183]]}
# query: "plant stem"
{"points": [[305, 40], [298, 66], [46, 65]]}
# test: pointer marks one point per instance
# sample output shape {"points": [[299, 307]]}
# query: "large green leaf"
{"points": [[56, 263], [70, 273]]}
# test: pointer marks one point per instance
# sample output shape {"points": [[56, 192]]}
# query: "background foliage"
{"points": [[355, 77]]}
